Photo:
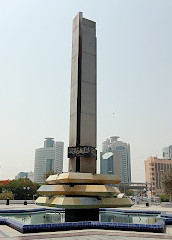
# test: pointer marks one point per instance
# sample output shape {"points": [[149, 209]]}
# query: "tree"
{"points": [[129, 192], [6, 195], [123, 187], [167, 183], [22, 188]]}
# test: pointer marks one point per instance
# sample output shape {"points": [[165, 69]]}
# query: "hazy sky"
{"points": [[134, 64]]}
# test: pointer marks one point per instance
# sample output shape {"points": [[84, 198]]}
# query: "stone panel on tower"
{"points": [[83, 112]]}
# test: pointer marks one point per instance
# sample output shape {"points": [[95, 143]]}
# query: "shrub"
{"points": [[5, 195], [164, 198]]}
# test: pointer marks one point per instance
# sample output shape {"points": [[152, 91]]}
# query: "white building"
{"points": [[49, 158], [113, 145], [167, 152]]}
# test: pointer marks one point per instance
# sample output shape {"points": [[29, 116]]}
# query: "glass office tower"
{"points": [[114, 146], [48, 159]]}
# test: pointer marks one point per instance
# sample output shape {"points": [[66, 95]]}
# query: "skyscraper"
{"points": [[47, 159], [111, 163], [121, 160]]}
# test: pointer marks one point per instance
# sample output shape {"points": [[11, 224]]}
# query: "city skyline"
{"points": [[134, 77]]}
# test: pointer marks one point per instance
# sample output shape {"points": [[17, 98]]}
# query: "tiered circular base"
{"points": [[82, 191]]}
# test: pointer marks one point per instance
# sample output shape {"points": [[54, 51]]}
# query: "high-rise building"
{"points": [[111, 163], [29, 175], [154, 169], [121, 158], [47, 159], [167, 152]]}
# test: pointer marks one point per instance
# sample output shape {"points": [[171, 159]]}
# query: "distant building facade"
{"points": [[167, 152], [111, 163], [47, 159], [115, 158], [29, 175], [154, 169]]}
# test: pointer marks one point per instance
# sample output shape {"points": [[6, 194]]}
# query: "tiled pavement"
{"points": [[7, 233], [85, 235]]}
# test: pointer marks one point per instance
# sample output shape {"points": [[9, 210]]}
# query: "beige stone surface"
{"points": [[52, 178], [84, 190], [75, 177], [83, 202]]}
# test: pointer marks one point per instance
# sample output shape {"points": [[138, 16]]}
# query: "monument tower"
{"points": [[83, 112], [81, 192]]}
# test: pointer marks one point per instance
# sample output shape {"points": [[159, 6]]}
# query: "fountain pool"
{"points": [[49, 217], [53, 219]]}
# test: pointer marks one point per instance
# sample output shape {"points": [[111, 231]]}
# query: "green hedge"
{"points": [[164, 198]]}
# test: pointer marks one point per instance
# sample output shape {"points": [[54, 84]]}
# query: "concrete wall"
{"points": [[17, 201]]}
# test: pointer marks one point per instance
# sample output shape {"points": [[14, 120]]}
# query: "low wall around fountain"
{"points": [[17, 201]]}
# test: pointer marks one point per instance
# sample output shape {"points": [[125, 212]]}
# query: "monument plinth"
{"points": [[81, 192]]}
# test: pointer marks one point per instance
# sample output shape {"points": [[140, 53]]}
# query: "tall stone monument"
{"points": [[83, 110], [81, 192]]}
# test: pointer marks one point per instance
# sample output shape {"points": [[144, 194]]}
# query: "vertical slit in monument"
{"points": [[79, 92]]}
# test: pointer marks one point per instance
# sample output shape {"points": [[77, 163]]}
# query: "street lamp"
{"points": [[25, 189]]}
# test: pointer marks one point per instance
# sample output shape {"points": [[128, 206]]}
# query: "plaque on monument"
{"points": [[82, 151]]}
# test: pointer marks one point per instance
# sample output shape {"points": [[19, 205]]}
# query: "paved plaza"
{"points": [[7, 233]]}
